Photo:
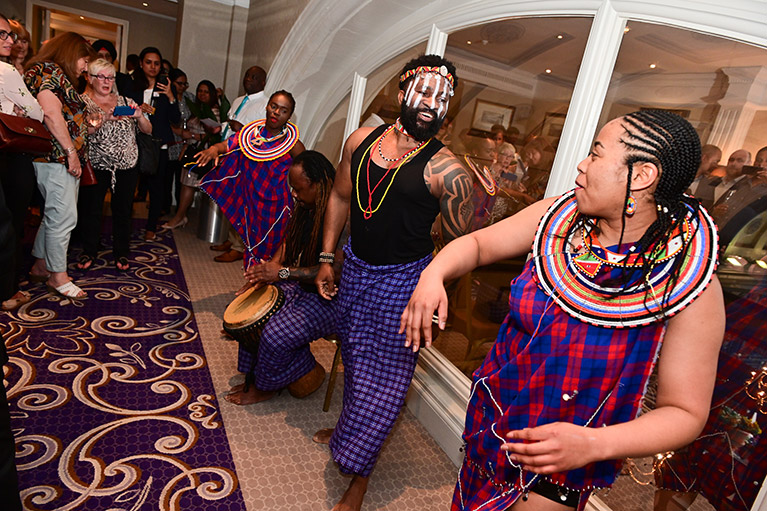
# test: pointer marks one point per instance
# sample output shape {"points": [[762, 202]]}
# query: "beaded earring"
{"points": [[631, 206]]}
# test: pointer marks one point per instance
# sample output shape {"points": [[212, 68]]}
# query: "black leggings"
{"points": [[556, 493]]}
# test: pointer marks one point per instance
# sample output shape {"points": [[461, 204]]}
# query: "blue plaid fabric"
{"points": [[254, 197], [523, 381], [377, 365], [283, 353]]}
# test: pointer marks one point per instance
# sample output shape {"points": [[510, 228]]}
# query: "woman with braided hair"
{"points": [[284, 358], [622, 265]]}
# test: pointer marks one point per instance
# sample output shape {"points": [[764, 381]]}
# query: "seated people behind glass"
{"points": [[745, 204], [284, 358], [709, 160]]}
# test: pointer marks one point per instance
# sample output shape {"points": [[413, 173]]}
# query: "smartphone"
{"points": [[123, 110], [751, 170]]}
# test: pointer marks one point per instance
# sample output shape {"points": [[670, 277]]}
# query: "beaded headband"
{"points": [[441, 70]]}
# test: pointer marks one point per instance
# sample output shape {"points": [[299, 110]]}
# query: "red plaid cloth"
{"points": [[255, 197], [729, 475], [523, 381]]}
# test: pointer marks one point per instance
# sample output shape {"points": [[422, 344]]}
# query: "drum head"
{"points": [[252, 306]]}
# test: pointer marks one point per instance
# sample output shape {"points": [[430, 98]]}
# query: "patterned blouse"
{"points": [[113, 146], [49, 76], [14, 92]]}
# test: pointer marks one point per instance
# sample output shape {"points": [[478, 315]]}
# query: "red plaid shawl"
{"points": [[255, 197]]}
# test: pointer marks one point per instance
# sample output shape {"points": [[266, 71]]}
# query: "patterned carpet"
{"points": [[111, 397]]}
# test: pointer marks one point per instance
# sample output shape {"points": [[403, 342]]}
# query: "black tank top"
{"points": [[400, 230]]}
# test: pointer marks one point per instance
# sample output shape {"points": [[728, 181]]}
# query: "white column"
{"points": [[356, 98]]}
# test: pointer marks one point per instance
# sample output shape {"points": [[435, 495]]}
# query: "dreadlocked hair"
{"points": [[321, 172], [671, 143]]}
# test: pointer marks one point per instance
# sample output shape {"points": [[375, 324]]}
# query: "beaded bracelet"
{"points": [[327, 257]]}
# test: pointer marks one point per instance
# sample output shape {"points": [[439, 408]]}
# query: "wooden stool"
{"points": [[333, 371]]}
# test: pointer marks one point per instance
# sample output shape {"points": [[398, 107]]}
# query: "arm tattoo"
{"points": [[455, 200]]}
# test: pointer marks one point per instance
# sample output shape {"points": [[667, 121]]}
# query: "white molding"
{"points": [[437, 42], [760, 503], [122, 53], [438, 396], [588, 97], [356, 98]]}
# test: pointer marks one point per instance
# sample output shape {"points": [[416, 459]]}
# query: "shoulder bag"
{"points": [[24, 135]]}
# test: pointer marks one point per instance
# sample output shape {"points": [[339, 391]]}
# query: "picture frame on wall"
{"points": [[552, 126], [487, 114]]}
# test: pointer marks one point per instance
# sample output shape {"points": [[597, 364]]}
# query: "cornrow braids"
{"points": [[320, 171], [671, 143]]}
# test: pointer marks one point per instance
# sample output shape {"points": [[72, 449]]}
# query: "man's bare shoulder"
{"points": [[356, 138], [444, 161]]}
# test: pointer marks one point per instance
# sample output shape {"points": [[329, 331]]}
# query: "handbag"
{"points": [[148, 153], [87, 176], [24, 135]]}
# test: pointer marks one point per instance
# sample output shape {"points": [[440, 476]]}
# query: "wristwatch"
{"points": [[284, 273]]}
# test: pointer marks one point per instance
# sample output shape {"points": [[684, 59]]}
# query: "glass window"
{"points": [[516, 78], [720, 86]]}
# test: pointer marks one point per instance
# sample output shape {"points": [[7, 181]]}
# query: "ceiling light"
{"points": [[548, 71], [468, 42], [626, 30], [560, 36], [82, 17], [737, 260], [145, 4], [761, 264], [652, 66]]}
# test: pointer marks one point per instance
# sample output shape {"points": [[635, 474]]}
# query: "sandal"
{"points": [[85, 262], [122, 264], [17, 300], [68, 290]]}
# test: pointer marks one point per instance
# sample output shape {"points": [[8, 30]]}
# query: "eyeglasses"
{"points": [[182, 84], [104, 78], [5, 35]]}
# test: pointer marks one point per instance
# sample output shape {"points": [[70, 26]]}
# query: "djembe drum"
{"points": [[247, 315]]}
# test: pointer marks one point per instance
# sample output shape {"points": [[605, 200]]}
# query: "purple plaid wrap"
{"points": [[254, 197], [542, 354], [283, 352], [377, 365]]}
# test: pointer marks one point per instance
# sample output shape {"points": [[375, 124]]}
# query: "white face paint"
{"points": [[429, 90]]}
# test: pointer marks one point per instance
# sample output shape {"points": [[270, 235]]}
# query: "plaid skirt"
{"points": [[377, 365]]}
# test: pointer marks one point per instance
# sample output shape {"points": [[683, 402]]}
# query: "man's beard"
{"points": [[417, 129]]}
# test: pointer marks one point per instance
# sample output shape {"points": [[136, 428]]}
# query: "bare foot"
{"points": [[236, 388], [323, 436], [352, 499], [253, 395]]}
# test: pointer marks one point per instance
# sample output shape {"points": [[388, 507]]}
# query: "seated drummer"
{"points": [[284, 357]]}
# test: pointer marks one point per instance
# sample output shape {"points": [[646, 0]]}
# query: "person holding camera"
{"points": [[113, 152], [157, 97]]}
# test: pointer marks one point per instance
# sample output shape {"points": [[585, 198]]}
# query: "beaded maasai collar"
{"points": [[251, 141], [573, 272]]}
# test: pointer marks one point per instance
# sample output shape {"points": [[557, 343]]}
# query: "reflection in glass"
{"points": [[516, 79], [715, 83]]}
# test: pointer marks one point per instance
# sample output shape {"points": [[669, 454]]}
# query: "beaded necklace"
{"points": [[251, 141], [483, 176], [367, 212]]}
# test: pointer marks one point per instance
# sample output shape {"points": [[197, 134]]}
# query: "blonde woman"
{"points": [[113, 152]]}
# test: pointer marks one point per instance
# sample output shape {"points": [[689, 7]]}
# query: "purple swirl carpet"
{"points": [[112, 404]]}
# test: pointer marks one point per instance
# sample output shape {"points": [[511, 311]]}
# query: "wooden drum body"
{"points": [[246, 316]]}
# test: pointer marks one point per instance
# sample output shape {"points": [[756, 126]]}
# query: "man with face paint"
{"points": [[392, 182]]}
